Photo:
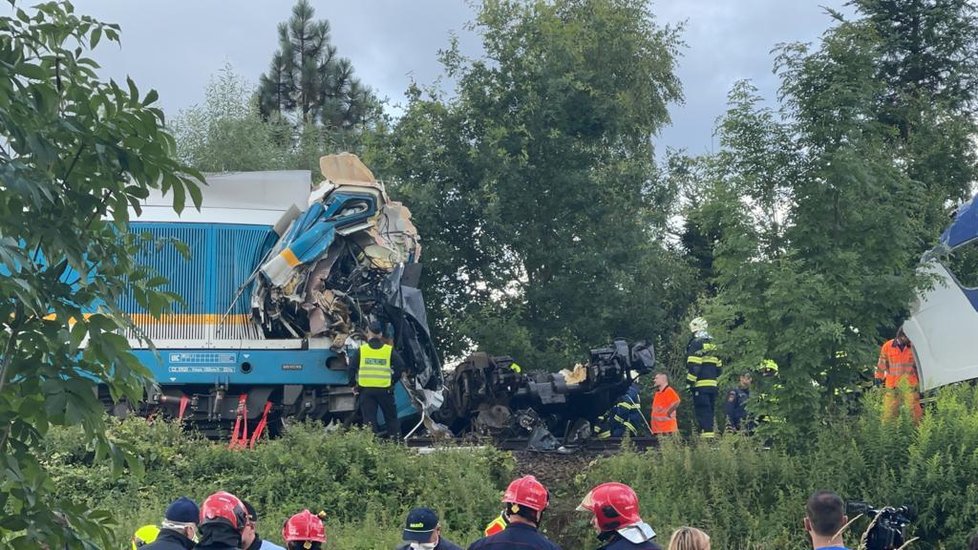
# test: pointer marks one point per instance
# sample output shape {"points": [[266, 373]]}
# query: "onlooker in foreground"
{"points": [[525, 500], [250, 539], [423, 532], [689, 538], [973, 543], [825, 516], [222, 519], [304, 531], [179, 528], [616, 518]]}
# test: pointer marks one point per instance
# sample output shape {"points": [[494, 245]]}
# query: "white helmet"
{"points": [[698, 325]]}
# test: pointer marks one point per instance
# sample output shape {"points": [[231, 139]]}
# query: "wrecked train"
{"points": [[281, 279]]}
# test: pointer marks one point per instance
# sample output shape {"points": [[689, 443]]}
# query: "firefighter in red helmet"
{"points": [[222, 519], [524, 502], [304, 531], [617, 519]]}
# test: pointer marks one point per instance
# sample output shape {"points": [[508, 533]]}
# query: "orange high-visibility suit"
{"points": [[664, 411], [896, 365]]}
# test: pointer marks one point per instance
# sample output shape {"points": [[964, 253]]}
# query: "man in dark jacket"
{"points": [[736, 405], [222, 519], [423, 532], [373, 369], [179, 526], [524, 502]]}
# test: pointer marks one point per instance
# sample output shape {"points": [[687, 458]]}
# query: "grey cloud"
{"points": [[175, 47]]}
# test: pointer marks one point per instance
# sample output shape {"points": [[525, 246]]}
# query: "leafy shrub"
{"points": [[745, 496]]}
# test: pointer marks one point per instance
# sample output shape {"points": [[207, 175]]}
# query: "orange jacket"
{"points": [[896, 364], [663, 423]]}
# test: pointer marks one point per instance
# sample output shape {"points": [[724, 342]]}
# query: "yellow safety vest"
{"points": [[375, 367]]}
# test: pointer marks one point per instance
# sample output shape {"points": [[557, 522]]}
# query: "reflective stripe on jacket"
{"points": [[375, 367], [495, 526]]}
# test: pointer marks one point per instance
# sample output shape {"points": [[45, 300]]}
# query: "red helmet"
{"points": [[527, 491], [304, 527], [223, 507], [614, 505]]}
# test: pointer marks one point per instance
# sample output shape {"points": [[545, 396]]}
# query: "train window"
{"points": [[963, 264]]}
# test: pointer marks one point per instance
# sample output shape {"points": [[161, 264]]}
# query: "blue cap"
{"points": [[421, 523], [182, 510]]}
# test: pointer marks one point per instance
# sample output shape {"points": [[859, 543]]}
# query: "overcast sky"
{"points": [[175, 46]]}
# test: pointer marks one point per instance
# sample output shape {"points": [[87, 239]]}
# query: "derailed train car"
{"points": [[944, 318], [281, 278]]}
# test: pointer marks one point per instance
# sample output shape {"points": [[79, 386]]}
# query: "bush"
{"points": [[366, 486], [747, 497], [743, 495]]}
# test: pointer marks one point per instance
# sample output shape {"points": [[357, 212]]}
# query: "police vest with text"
{"points": [[375, 367]]}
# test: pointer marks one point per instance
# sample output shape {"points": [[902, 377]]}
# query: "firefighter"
{"points": [[703, 368], [617, 519], [896, 370], [624, 417], [304, 531], [373, 369], [144, 536], [525, 500], [736, 405], [222, 519], [767, 392], [664, 405]]}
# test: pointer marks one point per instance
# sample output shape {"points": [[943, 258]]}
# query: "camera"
{"points": [[889, 530]]}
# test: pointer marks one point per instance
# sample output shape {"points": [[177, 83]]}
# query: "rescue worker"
{"points": [[143, 536], [617, 519], [736, 405], [373, 370], [525, 500], [250, 540], [222, 519], [703, 368], [304, 531], [665, 402], [767, 392], [423, 532], [624, 417], [179, 528], [896, 370]]}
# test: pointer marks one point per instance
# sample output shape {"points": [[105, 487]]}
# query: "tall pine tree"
{"points": [[309, 82]]}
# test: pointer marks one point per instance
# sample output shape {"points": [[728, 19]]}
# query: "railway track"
{"points": [[610, 445]]}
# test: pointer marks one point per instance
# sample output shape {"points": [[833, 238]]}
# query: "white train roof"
{"points": [[254, 198]]}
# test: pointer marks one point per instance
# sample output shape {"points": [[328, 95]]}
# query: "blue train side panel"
{"points": [[210, 356]]}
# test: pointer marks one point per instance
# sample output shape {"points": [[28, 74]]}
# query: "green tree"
{"points": [[854, 174], [547, 146], [75, 154], [227, 133], [310, 84]]}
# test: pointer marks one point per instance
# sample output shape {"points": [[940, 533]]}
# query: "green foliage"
{"points": [[535, 186], [746, 497], [227, 134], [365, 486], [75, 154], [812, 219]]}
